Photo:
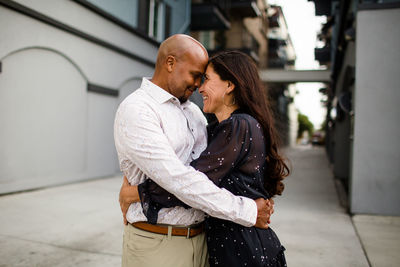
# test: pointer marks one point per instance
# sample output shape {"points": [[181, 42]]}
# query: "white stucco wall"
{"points": [[53, 130], [375, 183], [74, 15], [43, 115]]}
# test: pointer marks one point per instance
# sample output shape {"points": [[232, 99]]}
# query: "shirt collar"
{"points": [[156, 92]]}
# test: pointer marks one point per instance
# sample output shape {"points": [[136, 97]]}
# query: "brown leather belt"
{"points": [[176, 231]]}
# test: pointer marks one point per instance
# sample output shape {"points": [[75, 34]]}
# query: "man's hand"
{"points": [[265, 208], [127, 195]]}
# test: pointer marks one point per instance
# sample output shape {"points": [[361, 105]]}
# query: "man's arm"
{"points": [[139, 132], [129, 194]]}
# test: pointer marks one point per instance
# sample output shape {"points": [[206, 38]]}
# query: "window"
{"points": [[207, 39], [154, 18], [151, 17], [124, 10]]}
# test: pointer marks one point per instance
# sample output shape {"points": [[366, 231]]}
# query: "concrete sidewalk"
{"points": [[309, 220], [81, 225], [317, 231], [72, 225]]}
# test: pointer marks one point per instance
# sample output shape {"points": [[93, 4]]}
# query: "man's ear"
{"points": [[170, 62], [231, 87]]}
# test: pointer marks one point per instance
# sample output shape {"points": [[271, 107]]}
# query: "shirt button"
{"points": [[192, 152], [192, 130]]}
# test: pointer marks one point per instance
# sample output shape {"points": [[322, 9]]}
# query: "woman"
{"points": [[242, 156]]}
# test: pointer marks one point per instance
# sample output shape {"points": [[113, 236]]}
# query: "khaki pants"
{"points": [[145, 249]]}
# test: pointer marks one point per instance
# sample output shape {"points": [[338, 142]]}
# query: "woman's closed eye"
{"points": [[204, 78]]}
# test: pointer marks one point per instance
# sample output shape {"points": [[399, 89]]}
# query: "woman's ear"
{"points": [[170, 63], [231, 87]]}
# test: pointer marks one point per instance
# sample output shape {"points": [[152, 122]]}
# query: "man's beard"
{"points": [[182, 99], [185, 98]]}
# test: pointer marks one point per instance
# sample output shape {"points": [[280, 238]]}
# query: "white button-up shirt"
{"points": [[156, 136]]}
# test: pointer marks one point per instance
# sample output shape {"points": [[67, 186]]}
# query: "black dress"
{"points": [[234, 159]]}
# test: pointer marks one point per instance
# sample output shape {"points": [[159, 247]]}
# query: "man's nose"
{"points": [[201, 89], [197, 82]]}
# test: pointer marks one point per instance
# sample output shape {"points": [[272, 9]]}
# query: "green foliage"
{"points": [[323, 126], [304, 125]]}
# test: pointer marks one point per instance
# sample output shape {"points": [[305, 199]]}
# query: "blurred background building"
{"points": [[281, 56], [361, 48]]}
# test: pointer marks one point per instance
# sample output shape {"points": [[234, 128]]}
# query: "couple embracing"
{"points": [[197, 194]]}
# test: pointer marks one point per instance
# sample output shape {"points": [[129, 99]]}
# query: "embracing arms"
{"points": [[129, 194], [188, 185]]}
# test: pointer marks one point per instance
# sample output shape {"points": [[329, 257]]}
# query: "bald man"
{"points": [[157, 133]]}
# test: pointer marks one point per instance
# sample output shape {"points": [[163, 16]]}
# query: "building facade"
{"points": [[361, 48], [65, 67], [281, 56]]}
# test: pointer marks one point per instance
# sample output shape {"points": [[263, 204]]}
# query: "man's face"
{"points": [[186, 77]]}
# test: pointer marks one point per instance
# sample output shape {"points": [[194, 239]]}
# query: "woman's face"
{"points": [[213, 90]]}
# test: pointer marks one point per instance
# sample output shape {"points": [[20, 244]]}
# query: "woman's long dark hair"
{"points": [[250, 95]]}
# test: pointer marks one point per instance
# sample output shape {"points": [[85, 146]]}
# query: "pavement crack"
{"points": [[361, 242]]}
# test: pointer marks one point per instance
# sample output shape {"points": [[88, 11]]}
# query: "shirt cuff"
{"points": [[250, 213]]}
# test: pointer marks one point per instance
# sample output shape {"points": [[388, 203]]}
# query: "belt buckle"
{"points": [[188, 233]]}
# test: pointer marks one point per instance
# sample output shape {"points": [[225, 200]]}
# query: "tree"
{"points": [[304, 125], [323, 126]]}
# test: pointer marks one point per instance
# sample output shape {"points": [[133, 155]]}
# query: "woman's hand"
{"points": [[128, 194], [272, 203], [265, 208]]}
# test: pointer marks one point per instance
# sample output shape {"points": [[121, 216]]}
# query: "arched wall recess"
{"points": [[43, 113]]}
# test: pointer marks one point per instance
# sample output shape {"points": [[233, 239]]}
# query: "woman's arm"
{"points": [[149, 193], [228, 146]]}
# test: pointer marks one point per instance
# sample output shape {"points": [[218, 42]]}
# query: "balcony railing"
{"points": [[273, 21], [323, 55], [245, 8], [322, 7], [208, 16], [275, 43]]}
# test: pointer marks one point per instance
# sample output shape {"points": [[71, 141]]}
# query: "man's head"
{"points": [[181, 61]]}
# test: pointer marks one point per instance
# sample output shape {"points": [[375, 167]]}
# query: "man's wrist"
{"points": [[251, 212], [254, 213]]}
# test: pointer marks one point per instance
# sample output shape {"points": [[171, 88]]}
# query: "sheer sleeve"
{"points": [[153, 198], [228, 147], [229, 143]]}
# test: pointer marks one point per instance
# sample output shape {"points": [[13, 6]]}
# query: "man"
{"points": [[157, 134]]}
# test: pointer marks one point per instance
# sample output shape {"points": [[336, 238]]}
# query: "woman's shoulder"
{"points": [[244, 118], [237, 122]]}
